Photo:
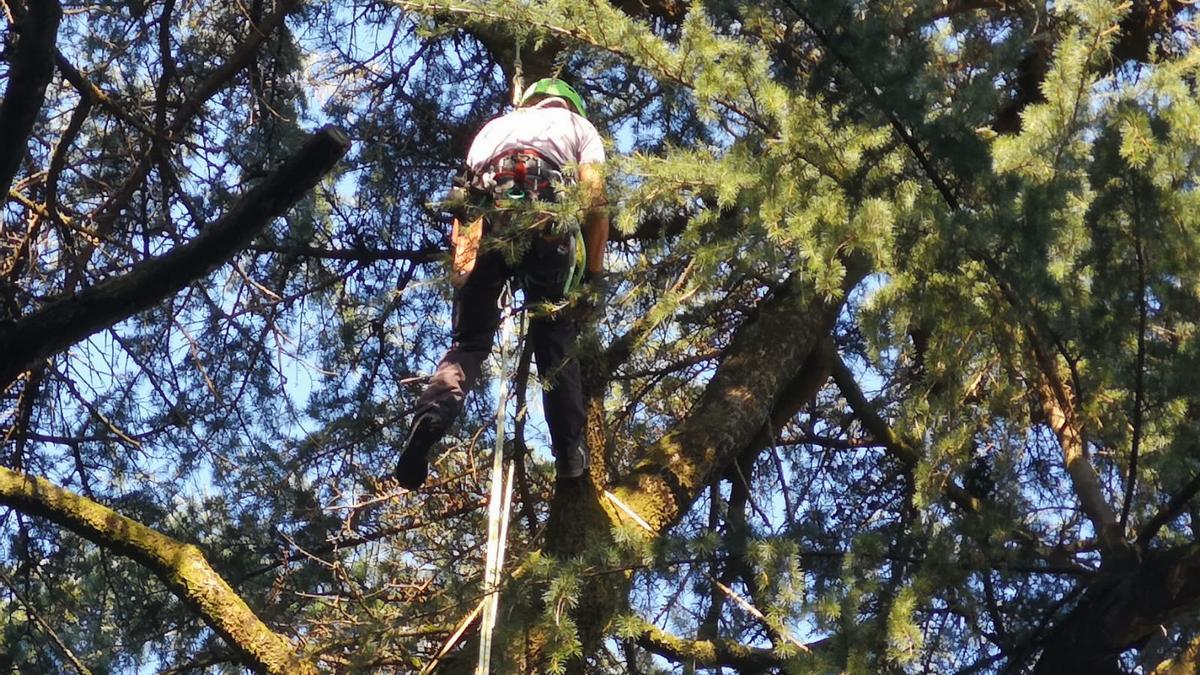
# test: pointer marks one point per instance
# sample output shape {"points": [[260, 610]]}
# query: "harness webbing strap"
{"points": [[518, 172]]}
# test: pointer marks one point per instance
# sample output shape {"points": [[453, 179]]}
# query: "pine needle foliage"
{"points": [[896, 376]]}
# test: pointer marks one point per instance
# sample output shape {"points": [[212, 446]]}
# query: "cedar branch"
{"points": [[709, 653]]}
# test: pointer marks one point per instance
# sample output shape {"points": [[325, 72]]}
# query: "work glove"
{"points": [[593, 295], [458, 199]]}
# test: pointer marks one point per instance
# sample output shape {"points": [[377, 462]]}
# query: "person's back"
{"points": [[559, 134], [543, 129]]}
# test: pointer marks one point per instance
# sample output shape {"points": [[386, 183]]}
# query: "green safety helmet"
{"points": [[552, 86]]}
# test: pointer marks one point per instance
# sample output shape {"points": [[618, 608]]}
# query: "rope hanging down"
{"points": [[500, 501], [518, 83]]}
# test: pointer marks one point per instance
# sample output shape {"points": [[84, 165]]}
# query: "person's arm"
{"points": [[595, 220]]}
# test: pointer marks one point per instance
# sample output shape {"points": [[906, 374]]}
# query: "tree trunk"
{"points": [[1120, 610], [31, 67]]}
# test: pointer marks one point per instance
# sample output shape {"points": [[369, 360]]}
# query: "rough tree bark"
{"points": [[1120, 610], [180, 566], [774, 361], [765, 355]]}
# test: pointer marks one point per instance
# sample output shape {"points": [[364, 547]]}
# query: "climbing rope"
{"points": [[500, 501], [518, 87]]}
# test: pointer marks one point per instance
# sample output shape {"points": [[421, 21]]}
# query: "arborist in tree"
{"points": [[522, 158]]}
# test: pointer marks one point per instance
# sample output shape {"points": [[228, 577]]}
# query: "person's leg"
{"points": [[475, 319], [544, 272]]}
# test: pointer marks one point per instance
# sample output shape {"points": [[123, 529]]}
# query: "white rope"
{"points": [[518, 76], [500, 499]]}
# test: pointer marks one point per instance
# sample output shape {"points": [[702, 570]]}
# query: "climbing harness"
{"points": [[500, 500], [517, 174], [513, 181]]}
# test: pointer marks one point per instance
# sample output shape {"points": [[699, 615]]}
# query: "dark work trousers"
{"points": [[541, 272]]}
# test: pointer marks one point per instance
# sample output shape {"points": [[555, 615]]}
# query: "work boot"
{"points": [[413, 466], [571, 464]]}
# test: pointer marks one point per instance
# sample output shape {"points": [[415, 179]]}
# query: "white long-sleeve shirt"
{"points": [[549, 127]]}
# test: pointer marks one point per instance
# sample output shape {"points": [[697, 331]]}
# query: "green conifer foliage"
{"points": [[897, 374]]}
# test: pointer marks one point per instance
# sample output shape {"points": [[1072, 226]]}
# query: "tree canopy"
{"points": [[896, 374]]}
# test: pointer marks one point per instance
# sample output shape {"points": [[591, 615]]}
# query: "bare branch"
{"points": [[30, 68], [363, 255], [66, 321]]}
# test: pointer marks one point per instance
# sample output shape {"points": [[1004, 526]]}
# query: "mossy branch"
{"points": [[765, 356], [710, 653], [180, 566]]}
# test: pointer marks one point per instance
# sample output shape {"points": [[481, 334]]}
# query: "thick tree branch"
{"points": [[1058, 406], [765, 355], [180, 566], [31, 65], [1120, 610], [709, 653], [66, 321]]}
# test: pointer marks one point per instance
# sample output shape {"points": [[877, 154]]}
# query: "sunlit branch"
{"points": [[1058, 406], [182, 567], [710, 653]]}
